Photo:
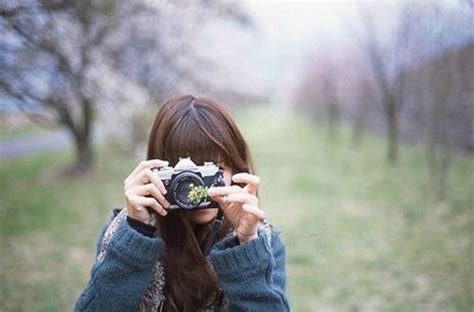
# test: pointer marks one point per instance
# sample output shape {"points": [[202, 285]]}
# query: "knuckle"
{"points": [[133, 204], [148, 172], [159, 196], [144, 176], [154, 189]]}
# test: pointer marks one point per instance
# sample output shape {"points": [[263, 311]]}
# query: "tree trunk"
{"points": [[392, 131], [359, 123], [82, 136], [439, 160], [85, 156], [333, 117], [441, 181]]}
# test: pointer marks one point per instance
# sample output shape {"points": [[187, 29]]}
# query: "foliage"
{"points": [[108, 61], [197, 193]]}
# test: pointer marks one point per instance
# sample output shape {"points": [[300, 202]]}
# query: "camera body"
{"points": [[186, 183]]}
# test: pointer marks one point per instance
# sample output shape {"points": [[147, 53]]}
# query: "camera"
{"points": [[187, 183]]}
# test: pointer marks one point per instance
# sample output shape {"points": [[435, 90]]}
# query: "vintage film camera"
{"points": [[187, 183]]}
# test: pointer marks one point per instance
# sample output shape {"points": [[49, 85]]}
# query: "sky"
{"points": [[287, 35], [291, 32]]}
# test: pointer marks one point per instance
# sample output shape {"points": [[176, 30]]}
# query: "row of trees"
{"points": [[414, 80], [80, 61]]}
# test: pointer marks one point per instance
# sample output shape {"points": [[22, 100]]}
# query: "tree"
{"points": [[48, 51], [387, 58], [440, 87], [87, 59]]}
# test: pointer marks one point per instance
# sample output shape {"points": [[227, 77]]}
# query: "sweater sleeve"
{"points": [[119, 280], [252, 275]]}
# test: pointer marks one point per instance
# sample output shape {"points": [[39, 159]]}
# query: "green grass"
{"points": [[360, 235]]}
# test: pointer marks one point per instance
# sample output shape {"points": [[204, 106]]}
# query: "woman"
{"points": [[151, 259]]}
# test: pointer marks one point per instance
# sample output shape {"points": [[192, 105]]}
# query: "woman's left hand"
{"points": [[240, 205]]}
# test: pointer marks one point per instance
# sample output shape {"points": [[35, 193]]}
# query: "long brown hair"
{"points": [[203, 130]]}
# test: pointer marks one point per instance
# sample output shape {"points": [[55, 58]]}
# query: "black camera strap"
{"points": [[212, 234]]}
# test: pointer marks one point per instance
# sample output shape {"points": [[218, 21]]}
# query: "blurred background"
{"points": [[359, 114]]}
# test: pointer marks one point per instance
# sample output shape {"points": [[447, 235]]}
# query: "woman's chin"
{"points": [[201, 216]]}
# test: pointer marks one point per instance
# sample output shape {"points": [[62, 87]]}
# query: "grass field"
{"points": [[360, 235]]}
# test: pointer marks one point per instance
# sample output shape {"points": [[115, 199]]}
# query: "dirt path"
{"points": [[35, 143]]}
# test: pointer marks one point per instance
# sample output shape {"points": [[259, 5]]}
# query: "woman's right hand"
{"points": [[143, 189]]}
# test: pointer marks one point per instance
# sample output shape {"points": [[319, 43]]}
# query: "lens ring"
{"points": [[180, 190]]}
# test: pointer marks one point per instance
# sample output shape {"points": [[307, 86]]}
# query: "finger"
{"points": [[138, 179], [252, 181], [223, 190], [153, 178], [146, 176], [221, 200], [151, 203], [152, 189], [253, 209], [152, 163], [146, 164], [244, 198]]}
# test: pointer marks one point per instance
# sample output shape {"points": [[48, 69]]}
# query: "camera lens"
{"points": [[181, 187]]}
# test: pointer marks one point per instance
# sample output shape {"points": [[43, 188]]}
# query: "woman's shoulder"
{"points": [[116, 216]]}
